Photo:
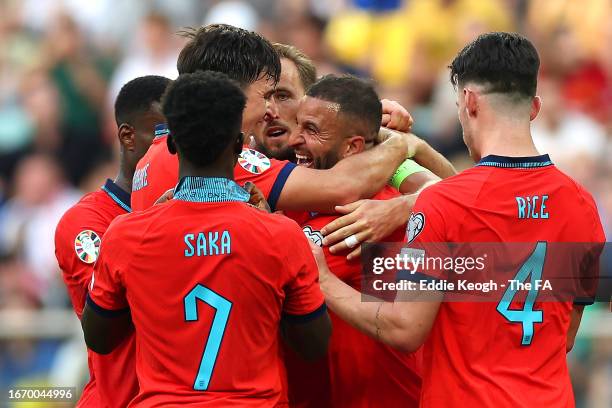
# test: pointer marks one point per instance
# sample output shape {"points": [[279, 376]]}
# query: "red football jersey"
{"points": [[358, 371], [475, 355], [207, 278], [157, 172], [112, 377]]}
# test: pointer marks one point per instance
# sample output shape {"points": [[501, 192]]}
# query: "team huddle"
{"points": [[221, 267]]}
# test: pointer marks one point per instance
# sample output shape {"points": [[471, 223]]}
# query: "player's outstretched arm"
{"points": [[308, 339], [431, 159], [104, 333], [355, 177], [403, 324]]}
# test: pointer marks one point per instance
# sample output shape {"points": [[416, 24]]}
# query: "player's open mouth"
{"points": [[303, 160], [276, 131]]}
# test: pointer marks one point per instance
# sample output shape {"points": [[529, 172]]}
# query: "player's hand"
{"points": [[367, 220], [167, 196], [395, 116], [413, 143], [257, 199], [319, 256]]}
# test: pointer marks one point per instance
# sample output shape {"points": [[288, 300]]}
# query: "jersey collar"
{"points": [[527, 162], [209, 190], [161, 130], [121, 197]]}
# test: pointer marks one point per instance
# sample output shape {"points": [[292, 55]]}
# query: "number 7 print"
{"points": [[222, 308]]}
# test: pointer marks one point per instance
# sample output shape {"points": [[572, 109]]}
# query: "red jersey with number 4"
{"points": [[207, 284], [112, 377], [487, 354], [157, 172], [358, 370]]}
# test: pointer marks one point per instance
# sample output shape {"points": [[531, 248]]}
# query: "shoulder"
{"points": [[86, 212], [579, 192], [254, 162], [462, 185], [277, 228]]}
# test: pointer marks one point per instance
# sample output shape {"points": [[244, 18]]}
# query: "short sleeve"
{"points": [[590, 253], [106, 290], [269, 175], [304, 299], [76, 249]]}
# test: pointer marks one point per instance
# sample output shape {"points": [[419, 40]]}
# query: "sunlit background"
{"points": [[63, 62]]}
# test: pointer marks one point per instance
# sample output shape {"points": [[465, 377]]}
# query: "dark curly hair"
{"points": [[242, 55], [137, 96], [503, 62], [204, 114]]}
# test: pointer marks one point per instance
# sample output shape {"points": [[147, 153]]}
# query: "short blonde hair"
{"points": [[306, 69]]}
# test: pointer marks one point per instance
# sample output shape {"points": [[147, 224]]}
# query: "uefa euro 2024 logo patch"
{"points": [[315, 236], [253, 161], [87, 246], [416, 223]]}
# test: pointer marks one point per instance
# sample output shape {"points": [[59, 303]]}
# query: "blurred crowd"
{"points": [[62, 62]]}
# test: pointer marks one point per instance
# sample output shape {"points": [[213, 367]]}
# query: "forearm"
{"points": [[403, 324], [346, 302], [417, 182], [429, 158], [363, 175]]}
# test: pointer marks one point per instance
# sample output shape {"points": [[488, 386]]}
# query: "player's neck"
{"points": [[189, 170], [510, 141], [124, 181]]}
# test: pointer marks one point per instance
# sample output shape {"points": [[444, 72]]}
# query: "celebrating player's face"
{"points": [[318, 139], [260, 106], [274, 140]]}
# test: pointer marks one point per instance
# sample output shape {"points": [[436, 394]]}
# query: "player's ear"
{"points": [[170, 144], [239, 143], [354, 145], [127, 136], [471, 102], [536, 105]]}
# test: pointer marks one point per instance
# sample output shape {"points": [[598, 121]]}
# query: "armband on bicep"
{"points": [[405, 170]]}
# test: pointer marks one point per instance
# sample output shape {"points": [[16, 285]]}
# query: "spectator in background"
{"points": [[387, 41], [154, 53], [574, 141], [582, 81], [28, 220], [18, 51], [81, 79]]}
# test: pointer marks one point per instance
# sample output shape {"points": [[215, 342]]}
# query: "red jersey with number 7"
{"points": [[484, 354], [207, 278]]}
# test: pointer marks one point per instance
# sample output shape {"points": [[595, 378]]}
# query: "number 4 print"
{"points": [[222, 308], [533, 266]]}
